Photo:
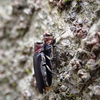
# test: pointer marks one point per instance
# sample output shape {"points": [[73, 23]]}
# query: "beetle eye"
{"points": [[38, 42], [47, 34]]}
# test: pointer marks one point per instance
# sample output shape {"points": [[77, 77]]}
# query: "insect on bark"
{"points": [[39, 63], [48, 51]]}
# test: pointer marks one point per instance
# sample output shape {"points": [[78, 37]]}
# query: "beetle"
{"points": [[48, 39], [39, 63]]}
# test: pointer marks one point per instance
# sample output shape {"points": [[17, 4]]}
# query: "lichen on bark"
{"points": [[76, 27]]}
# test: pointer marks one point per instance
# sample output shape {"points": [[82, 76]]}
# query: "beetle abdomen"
{"points": [[38, 74], [40, 71]]}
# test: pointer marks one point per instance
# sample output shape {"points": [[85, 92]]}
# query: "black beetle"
{"points": [[39, 62], [48, 51]]}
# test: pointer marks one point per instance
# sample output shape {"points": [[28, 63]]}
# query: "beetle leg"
{"points": [[50, 58], [50, 69]]}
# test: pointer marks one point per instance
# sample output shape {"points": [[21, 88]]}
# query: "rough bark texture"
{"points": [[76, 27]]}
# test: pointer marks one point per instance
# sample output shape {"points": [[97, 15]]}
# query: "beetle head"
{"points": [[48, 38], [38, 46]]}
